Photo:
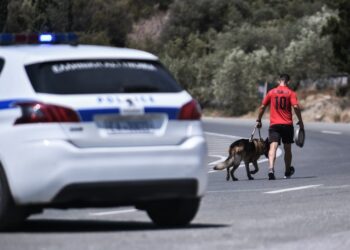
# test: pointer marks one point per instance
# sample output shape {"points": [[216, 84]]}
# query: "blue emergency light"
{"points": [[46, 38], [38, 38]]}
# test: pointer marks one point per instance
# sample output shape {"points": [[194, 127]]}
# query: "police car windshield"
{"points": [[101, 76]]}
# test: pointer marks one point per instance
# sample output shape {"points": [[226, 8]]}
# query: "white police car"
{"points": [[94, 126]]}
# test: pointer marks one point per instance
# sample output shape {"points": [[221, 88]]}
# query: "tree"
{"points": [[102, 21], [3, 13], [20, 16], [309, 56], [199, 16], [97, 21], [235, 81], [42, 21], [339, 28]]}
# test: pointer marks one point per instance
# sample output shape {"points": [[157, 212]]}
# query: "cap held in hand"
{"points": [[299, 137]]}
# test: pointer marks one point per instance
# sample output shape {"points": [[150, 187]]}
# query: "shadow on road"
{"points": [[78, 226], [266, 179]]}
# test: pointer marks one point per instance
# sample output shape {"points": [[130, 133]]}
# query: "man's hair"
{"points": [[284, 77]]}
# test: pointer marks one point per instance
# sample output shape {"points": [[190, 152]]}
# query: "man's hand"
{"points": [[301, 124], [261, 112], [298, 113], [258, 124]]}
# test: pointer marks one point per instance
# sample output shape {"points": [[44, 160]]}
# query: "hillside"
{"points": [[221, 67], [317, 106], [325, 107], [217, 49]]}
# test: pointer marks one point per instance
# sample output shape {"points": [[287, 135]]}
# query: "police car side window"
{"points": [[2, 63]]}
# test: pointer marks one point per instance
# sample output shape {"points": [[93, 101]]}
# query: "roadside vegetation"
{"points": [[219, 50]]}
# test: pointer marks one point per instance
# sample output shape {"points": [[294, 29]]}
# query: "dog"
{"points": [[247, 150]]}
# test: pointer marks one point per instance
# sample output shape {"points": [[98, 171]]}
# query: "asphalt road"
{"points": [[309, 211]]}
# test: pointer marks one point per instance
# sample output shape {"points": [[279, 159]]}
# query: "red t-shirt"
{"points": [[281, 100]]}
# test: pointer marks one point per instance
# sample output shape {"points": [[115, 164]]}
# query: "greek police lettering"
{"points": [[74, 66], [66, 67], [135, 99]]}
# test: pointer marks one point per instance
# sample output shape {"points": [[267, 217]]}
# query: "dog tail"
{"points": [[225, 164]]}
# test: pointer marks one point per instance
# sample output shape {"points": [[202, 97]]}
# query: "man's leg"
{"points": [[272, 159], [287, 139], [288, 156], [274, 139], [288, 161]]}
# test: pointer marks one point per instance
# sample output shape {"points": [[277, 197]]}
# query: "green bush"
{"points": [[236, 80]]}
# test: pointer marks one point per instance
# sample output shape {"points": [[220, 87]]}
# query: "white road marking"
{"points": [[266, 189], [114, 212], [223, 135], [331, 132], [222, 158], [292, 189], [336, 187], [213, 171], [238, 191]]}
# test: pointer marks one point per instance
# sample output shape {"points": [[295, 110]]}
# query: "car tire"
{"points": [[10, 214], [173, 213]]}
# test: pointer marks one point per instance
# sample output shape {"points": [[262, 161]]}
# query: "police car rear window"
{"points": [[101, 76]]}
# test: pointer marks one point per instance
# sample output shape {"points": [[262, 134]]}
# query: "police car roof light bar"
{"points": [[38, 38]]}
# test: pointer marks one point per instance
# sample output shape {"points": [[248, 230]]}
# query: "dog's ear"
{"points": [[267, 147]]}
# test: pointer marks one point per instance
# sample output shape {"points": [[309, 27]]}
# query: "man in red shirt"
{"points": [[281, 100]]}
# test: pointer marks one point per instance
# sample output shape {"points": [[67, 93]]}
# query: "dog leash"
{"points": [[252, 136]]}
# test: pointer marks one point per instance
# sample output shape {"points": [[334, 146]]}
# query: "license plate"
{"points": [[129, 125]]}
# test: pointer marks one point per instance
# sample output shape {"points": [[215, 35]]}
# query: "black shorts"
{"points": [[281, 131]]}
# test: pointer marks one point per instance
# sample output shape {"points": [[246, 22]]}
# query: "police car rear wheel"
{"points": [[10, 215], [174, 213]]}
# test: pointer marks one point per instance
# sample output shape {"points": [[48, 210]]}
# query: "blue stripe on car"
{"points": [[9, 103], [5, 104], [172, 112], [87, 115]]}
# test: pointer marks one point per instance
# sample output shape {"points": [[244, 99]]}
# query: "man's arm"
{"points": [[264, 104], [298, 114], [261, 113]]}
